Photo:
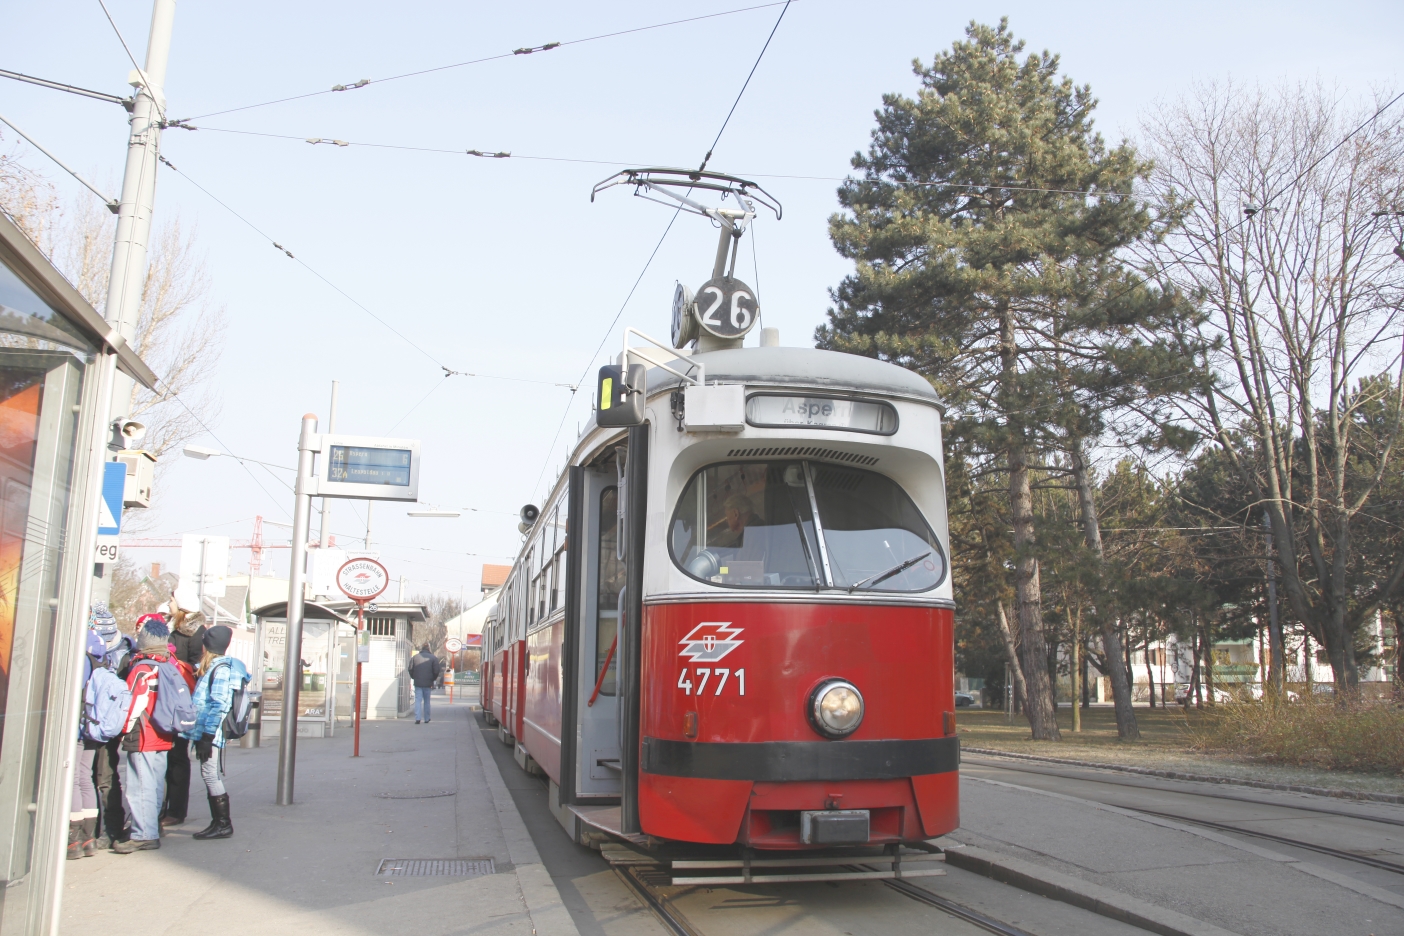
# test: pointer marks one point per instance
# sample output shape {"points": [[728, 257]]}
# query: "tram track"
{"points": [[992, 760], [647, 883], [1281, 840], [1228, 827]]}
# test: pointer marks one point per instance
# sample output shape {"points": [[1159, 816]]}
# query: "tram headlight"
{"points": [[836, 708]]}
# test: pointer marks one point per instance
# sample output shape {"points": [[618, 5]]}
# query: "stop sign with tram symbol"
{"points": [[453, 645], [362, 579]]}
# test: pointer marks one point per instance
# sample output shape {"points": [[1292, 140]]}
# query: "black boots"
{"points": [[220, 827], [89, 840]]}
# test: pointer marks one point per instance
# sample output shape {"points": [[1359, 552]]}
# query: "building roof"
{"points": [[471, 621], [495, 575]]}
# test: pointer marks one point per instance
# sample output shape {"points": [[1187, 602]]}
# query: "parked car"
{"points": [[1221, 696], [1255, 690], [964, 700]]}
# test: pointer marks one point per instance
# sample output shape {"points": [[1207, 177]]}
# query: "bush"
{"points": [[1366, 737]]}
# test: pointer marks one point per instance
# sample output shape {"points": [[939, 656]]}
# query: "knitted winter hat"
{"points": [[152, 632], [104, 625], [217, 638]]}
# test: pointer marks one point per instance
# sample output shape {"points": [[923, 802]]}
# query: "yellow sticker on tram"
{"points": [[606, 392]]}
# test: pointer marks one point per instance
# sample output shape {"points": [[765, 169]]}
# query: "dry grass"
{"points": [[1193, 742], [1366, 737]]}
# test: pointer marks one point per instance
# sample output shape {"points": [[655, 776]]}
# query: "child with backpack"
{"points": [[221, 705], [112, 818], [160, 709], [104, 708]]}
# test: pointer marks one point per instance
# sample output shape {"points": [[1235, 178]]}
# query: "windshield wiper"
{"points": [[883, 576]]}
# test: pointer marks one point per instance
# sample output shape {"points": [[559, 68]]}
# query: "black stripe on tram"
{"points": [[800, 760]]}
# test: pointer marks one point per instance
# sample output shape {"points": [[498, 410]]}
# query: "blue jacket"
{"points": [[214, 694]]}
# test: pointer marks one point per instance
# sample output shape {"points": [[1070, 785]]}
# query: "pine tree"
{"points": [[984, 224]]}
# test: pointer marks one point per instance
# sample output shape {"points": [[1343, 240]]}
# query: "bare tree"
{"points": [[179, 331], [1285, 198]]}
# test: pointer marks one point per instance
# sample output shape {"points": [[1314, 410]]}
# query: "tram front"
{"points": [[795, 674]]}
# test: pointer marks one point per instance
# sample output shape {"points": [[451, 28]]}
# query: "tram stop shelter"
{"points": [[329, 663], [56, 357]]}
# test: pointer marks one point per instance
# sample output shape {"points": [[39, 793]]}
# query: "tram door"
{"points": [[602, 583]]}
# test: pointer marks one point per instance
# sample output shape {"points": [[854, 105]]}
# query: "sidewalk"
{"points": [[417, 791]]}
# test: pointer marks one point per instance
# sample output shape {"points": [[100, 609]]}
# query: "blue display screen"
{"points": [[357, 465]]}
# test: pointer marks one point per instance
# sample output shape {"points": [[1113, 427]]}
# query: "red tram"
{"points": [[732, 621]]}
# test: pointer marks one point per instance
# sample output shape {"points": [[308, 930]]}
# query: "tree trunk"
{"points": [[1150, 673], [1012, 652], [1118, 667], [1194, 670], [1028, 602], [1206, 646]]}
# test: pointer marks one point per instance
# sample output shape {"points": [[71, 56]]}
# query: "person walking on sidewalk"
{"points": [[220, 677], [187, 637], [144, 743], [424, 669]]}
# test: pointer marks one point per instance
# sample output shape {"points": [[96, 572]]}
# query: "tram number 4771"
{"points": [[704, 674]]}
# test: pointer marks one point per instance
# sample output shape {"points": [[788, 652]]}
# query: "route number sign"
{"points": [[453, 645], [362, 579], [726, 307]]}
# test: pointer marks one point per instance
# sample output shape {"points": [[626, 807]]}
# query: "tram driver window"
{"points": [[752, 524]]}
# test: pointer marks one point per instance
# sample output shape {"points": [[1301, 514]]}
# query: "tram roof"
{"points": [[805, 367]]}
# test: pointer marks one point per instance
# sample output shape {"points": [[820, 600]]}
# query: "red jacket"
{"points": [[143, 682]]}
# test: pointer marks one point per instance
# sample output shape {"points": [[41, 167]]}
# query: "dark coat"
{"points": [[424, 669], [189, 649]]}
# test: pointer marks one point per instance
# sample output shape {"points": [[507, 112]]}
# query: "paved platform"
{"points": [[418, 791]]}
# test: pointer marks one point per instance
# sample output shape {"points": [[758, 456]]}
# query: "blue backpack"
{"points": [[106, 701], [174, 712]]}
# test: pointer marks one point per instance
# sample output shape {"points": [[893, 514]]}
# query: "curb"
{"points": [[548, 913], [1396, 799], [1061, 887]]}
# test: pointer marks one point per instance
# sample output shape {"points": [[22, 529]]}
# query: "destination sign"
{"points": [[360, 465], [785, 411], [367, 468]]}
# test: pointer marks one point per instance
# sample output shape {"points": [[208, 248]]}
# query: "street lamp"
{"points": [[449, 514], [200, 452]]}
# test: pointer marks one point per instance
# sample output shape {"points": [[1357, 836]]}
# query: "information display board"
{"points": [[368, 468]]}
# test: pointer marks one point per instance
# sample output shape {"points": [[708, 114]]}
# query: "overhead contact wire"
{"points": [[489, 58]]}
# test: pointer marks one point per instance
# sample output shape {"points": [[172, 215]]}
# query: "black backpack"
{"points": [[236, 720]]}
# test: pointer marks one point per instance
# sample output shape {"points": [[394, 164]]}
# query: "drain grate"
{"points": [[415, 794], [435, 867]]}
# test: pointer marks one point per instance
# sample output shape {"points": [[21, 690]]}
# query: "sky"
{"points": [[409, 261]]}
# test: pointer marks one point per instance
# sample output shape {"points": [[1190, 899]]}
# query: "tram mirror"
{"points": [[620, 395]]}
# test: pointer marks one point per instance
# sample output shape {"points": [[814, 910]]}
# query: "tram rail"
{"points": [[647, 881], [1342, 854]]}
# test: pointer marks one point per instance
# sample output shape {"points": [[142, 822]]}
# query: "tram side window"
{"points": [[610, 584], [751, 524]]}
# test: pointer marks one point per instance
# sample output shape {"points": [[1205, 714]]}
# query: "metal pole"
{"points": [[138, 198], [200, 580], [325, 539], [297, 575], [370, 506], [356, 714]]}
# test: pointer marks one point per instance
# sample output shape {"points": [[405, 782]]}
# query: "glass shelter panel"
{"points": [[43, 362]]}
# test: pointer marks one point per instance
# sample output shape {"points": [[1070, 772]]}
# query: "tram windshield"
{"points": [[753, 525]]}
